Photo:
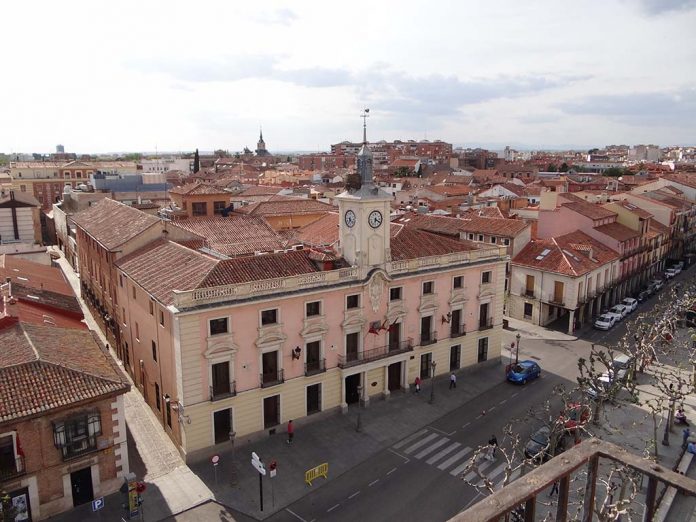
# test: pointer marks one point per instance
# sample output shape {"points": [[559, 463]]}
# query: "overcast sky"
{"points": [[135, 75]]}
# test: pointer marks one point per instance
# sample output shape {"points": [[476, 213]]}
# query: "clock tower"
{"points": [[364, 215]]}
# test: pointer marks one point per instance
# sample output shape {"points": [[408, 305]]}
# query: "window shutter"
{"points": [[94, 424], [59, 435]]}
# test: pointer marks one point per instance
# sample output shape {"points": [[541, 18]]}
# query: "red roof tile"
{"points": [[286, 206], [410, 243], [470, 223], [589, 210], [618, 231], [112, 223], [43, 369], [322, 232], [198, 188]]}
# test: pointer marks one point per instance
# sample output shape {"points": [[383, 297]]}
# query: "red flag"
{"points": [[20, 451]]}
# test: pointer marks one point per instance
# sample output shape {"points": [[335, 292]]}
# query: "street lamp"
{"points": [[517, 351], [432, 378]]}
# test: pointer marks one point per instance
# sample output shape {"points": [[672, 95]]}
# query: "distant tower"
{"points": [[60, 149], [196, 162], [261, 145]]}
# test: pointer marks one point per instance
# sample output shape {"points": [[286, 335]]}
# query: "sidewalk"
{"points": [[532, 331], [334, 439], [171, 486]]}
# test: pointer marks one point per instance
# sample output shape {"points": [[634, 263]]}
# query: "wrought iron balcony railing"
{"points": [[223, 390], [272, 378], [354, 359]]}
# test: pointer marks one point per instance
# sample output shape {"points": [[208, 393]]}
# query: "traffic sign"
{"points": [[215, 459], [258, 465], [97, 504]]}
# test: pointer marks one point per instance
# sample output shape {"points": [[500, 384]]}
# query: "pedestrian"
{"points": [[685, 437], [554, 489], [418, 383], [453, 381], [291, 431], [493, 442]]}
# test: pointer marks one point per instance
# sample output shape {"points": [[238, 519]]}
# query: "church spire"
{"points": [[260, 133], [365, 159], [364, 116]]}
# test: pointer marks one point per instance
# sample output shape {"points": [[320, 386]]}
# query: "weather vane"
{"points": [[364, 116]]}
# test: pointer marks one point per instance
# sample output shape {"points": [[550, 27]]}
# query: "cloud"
{"points": [[315, 77], [657, 7], [651, 108], [282, 16], [228, 68]]}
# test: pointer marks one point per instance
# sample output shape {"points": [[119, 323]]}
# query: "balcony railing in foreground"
{"points": [[525, 492], [353, 359]]}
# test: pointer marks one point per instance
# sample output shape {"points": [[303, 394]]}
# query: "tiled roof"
{"points": [[684, 179], [471, 223], [679, 204], [659, 227], [235, 235], [198, 188], [257, 268], [635, 209], [322, 232], [286, 207], [113, 223], [21, 199], [259, 190], [589, 210], [44, 368], [34, 275], [450, 190], [618, 231], [568, 254], [410, 243], [489, 212], [163, 266]]}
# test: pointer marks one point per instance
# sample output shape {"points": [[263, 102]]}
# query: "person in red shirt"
{"points": [[291, 431]]}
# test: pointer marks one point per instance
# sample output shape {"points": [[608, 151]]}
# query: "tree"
{"points": [[402, 172], [552, 168], [196, 162], [221, 153], [133, 156], [614, 172], [564, 167]]}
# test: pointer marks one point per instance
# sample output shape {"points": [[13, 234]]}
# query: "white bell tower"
{"points": [[364, 214]]}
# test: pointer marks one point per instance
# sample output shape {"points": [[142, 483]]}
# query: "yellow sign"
{"points": [[320, 471]]}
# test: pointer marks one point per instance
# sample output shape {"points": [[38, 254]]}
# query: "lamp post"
{"points": [[517, 351], [432, 384]]}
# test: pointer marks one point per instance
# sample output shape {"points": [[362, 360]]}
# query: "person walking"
{"points": [[493, 443], [418, 383], [554, 489], [453, 381], [291, 431]]}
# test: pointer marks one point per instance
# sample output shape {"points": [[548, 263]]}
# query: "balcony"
{"points": [[485, 324], [586, 456], [527, 293], [272, 379], [457, 330], [79, 446], [346, 361], [9, 470], [428, 338], [314, 367], [557, 300], [222, 391]]}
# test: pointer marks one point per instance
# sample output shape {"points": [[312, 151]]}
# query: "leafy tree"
{"points": [[402, 172], [614, 172], [221, 153], [564, 167], [552, 168], [133, 156]]}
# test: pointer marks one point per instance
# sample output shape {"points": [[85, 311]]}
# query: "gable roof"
{"points": [[198, 188], [589, 210], [44, 368], [112, 223], [407, 242], [322, 232], [285, 206], [568, 254], [18, 199], [470, 223], [618, 231]]}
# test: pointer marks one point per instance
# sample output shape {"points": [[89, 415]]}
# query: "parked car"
{"points": [[621, 365], [620, 310], [523, 371], [670, 273], [604, 322], [575, 415], [538, 446], [643, 296], [680, 264], [677, 268], [630, 303], [594, 389], [658, 284]]}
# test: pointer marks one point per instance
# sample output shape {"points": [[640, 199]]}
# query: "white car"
{"points": [[620, 310], [670, 273], [680, 264], [658, 284], [603, 383], [604, 322], [630, 303], [677, 268]]}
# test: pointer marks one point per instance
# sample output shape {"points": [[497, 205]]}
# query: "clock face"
{"points": [[375, 219], [350, 218]]}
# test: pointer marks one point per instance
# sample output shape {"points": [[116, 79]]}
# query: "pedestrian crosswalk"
{"points": [[450, 456]]}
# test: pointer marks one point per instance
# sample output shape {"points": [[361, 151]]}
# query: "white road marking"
{"points": [[491, 408], [409, 439], [373, 482], [432, 447], [465, 425], [295, 515], [513, 476], [391, 471], [332, 508], [515, 394], [400, 455], [420, 443], [440, 431], [496, 471], [442, 453], [502, 402], [354, 495], [472, 474], [446, 464]]}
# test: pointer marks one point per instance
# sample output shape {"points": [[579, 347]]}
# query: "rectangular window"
{"points": [[154, 351], [455, 357], [77, 435], [486, 277], [425, 365], [219, 326], [458, 282], [395, 294], [168, 411], [352, 346], [137, 331], [480, 237], [471, 237], [120, 280], [135, 296], [218, 207], [313, 399], [483, 349], [506, 241], [269, 316], [427, 335], [199, 209], [161, 317], [123, 310], [493, 239], [157, 397], [353, 301], [528, 308], [428, 287], [152, 307], [221, 386], [313, 308]]}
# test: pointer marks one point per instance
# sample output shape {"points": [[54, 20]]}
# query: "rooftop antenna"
{"points": [[364, 116]]}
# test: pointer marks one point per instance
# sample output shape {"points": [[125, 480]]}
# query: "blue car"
{"points": [[523, 371]]}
